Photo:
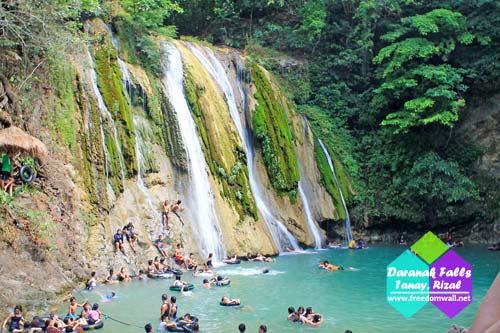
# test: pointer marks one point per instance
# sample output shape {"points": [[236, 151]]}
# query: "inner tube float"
{"points": [[224, 282], [37, 321], [179, 329], [175, 271], [230, 304], [161, 275], [27, 174], [95, 326], [188, 286], [232, 262]]}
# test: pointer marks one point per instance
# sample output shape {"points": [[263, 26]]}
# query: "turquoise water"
{"points": [[348, 299]]}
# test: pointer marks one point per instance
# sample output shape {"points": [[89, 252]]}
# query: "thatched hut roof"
{"points": [[13, 139]]}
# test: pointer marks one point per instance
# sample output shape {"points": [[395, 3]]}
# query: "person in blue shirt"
{"points": [[118, 238]]}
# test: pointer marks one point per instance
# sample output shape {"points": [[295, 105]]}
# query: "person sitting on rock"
{"points": [[110, 279], [123, 276], [179, 259], [165, 267], [162, 247], [6, 180], [130, 234], [118, 239], [16, 319], [190, 263]]}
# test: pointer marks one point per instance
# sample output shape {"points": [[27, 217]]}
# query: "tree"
{"points": [[418, 85], [152, 12]]}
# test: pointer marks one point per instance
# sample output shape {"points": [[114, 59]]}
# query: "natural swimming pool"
{"points": [[353, 300]]}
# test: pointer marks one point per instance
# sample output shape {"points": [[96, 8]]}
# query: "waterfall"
{"points": [[140, 183], [127, 85], [106, 115], [348, 231], [205, 223], [309, 218], [282, 238]]}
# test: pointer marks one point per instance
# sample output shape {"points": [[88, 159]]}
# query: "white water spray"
{"points": [[205, 223], [282, 238]]}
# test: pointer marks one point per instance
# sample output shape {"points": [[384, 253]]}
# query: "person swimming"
{"points": [[329, 267], [206, 284], [226, 301]]}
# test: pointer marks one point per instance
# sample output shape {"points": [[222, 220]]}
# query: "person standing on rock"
{"points": [[176, 209], [164, 214]]}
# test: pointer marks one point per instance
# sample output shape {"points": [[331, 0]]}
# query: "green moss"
{"points": [[90, 152], [166, 122], [329, 183], [110, 86], [145, 141], [270, 126], [63, 120], [233, 179]]}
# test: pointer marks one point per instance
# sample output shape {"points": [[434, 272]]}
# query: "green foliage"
{"points": [[151, 13], [270, 126], [6, 199], [137, 46], [149, 54], [313, 14], [41, 224], [28, 161], [440, 182], [419, 87]]}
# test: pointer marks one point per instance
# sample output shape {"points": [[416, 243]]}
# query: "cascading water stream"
{"points": [[140, 181], [127, 85], [348, 231], [309, 218], [282, 238], [106, 115], [205, 223]]}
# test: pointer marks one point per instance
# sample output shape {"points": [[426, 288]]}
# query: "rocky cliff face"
{"points": [[116, 153]]}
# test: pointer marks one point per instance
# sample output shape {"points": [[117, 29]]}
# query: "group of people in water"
{"points": [[74, 321], [306, 316]]}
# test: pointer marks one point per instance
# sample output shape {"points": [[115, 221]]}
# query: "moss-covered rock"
{"points": [[110, 86], [89, 149], [166, 121], [63, 118], [270, 126], [328, 181], [220, 142]]}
